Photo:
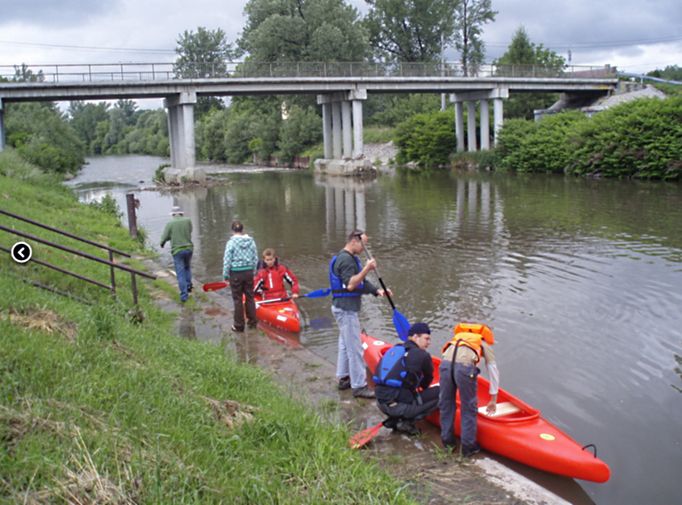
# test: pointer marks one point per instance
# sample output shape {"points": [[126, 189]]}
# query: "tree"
{"points": [[203, 54], [40, 134], [303, 30], [84, 119], [471, 15], [410, 30], [525, 57], [522, 51]]}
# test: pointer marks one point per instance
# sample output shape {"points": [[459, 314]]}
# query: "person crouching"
{"points": [[402, 380]]}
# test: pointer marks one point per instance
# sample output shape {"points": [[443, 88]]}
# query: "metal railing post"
{"points": [[113, 276], [133, 285]]}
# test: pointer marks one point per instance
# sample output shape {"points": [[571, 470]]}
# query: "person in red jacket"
{"points": [[269, 281]]}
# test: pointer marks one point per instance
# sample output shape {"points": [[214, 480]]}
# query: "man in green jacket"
{"points": [[179, 232]]}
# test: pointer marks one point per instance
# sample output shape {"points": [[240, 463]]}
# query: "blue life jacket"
{"points": [[392, 370], [338, 288]]}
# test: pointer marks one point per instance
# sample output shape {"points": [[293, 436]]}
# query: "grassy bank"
{"points": [[95, 408]]}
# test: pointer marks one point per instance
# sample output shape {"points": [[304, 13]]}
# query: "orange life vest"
{"points": [[471, 335]]}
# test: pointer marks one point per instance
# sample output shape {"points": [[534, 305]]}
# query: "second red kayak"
{"points": [[282, 314], [517, 431]]}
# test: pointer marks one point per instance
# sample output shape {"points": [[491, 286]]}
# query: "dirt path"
{"points": [[434, 476]]}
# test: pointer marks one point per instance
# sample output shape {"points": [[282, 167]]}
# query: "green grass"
{"points": [[96, 407], [378, 134]]}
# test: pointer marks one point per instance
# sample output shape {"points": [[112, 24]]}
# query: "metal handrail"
{"points": [[110, 263], [96, 72]]}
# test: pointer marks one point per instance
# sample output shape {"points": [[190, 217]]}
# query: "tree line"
{"points": [[282, 127]]}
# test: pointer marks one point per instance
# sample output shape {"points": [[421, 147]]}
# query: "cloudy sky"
{"points": [[634, 35]]}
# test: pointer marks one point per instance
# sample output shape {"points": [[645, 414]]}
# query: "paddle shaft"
{"points": [[381, 281]]}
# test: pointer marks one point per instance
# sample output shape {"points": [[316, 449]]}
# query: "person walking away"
{"points": [[239, 264], [402, 379], [347, 278], [269, 281], [179, 231], [459, 371]]}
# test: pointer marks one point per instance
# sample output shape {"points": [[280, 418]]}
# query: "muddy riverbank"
{"points": [[434, 476]]}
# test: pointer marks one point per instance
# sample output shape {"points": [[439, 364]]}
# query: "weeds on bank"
{"points": [[97, 409]]}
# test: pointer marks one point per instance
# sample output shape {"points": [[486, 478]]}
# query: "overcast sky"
{"points": [[634, 35]]}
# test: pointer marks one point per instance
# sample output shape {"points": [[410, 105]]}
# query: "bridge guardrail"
{"points": [[118, 72]]}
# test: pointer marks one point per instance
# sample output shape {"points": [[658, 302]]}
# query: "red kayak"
{"points": [[517, 431], [282, 313]]}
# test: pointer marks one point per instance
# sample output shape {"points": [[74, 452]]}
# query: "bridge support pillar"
{"points": [[181, 133], [471, 126], [327, 129], [459, 126], [358, 138], [496, 94], [485, 125], [2, 129], [336, 130], [347, 130], [342, 131], [498, 118]]}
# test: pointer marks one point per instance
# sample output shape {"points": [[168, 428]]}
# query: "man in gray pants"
{"points": [[458, 370], [348, 284]]}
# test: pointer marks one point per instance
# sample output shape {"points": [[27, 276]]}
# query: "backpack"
{"points": [[392, 369]]}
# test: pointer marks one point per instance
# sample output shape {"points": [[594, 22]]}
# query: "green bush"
{"points": [[639, 139], [41, 135], [426, 139]]}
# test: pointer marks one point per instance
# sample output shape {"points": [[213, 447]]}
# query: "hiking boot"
{"points": [[363, 392], [190, 288], [467, 452], [344, 383], [390, 423], [408, 427], [238, 330], [450, 445]]}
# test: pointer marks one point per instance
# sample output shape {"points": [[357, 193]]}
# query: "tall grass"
{"points": [[96, 408]]}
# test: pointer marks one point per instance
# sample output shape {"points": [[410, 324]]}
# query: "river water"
{"points": [[581, 281]]}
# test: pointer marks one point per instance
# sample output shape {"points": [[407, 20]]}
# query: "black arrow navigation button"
{"points": [[21, 252]]}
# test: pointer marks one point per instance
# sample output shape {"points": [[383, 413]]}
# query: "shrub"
{"points": [[427, 139]]}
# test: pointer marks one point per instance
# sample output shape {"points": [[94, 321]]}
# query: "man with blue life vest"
{"points": [[403, 377], [459, 371], [347, 278]]}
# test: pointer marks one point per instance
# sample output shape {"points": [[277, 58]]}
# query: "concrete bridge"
{"points": [[341, 89]]}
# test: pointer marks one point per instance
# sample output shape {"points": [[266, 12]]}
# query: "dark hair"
{"points": [[237, 226], [356, 233]]}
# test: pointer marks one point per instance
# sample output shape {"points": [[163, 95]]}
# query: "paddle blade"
{"points": [[362, 438], [318, 293], [402, 325], [215, 286]]}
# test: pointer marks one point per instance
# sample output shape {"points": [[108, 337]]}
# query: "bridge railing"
{"points": [[102, 72]]}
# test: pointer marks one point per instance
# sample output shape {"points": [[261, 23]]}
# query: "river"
{"points": [[581, 281]]}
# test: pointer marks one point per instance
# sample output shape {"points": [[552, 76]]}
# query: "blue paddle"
{"points": [[402, 325]]}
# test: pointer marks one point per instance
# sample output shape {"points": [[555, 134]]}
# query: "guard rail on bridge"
{"points": [[104, 72]]}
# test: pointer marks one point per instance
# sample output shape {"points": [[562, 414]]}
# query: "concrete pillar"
{"points": [[347, 129], [172, 131], [327, 129], [187, 126], [485, 126], [336, 130], [2, 129], [471, 126], [459, 126], [498, 117], [181, 129], [358, 140]]}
